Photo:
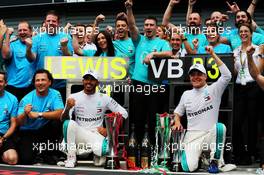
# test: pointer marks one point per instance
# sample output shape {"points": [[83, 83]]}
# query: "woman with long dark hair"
{"points": [[103, 42]]}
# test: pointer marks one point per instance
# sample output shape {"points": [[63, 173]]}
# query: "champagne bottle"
{"points": [[132, 148], [145, 150]]}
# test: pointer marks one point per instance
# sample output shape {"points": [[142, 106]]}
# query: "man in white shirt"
{"points": [[89, 108], [201, 106]]}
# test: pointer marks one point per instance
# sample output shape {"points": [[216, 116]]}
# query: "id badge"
{"points": [[242, 77]]}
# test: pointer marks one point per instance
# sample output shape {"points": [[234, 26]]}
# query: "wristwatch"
{"points": [[40, 115]]}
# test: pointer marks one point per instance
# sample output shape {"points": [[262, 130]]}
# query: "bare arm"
{"points": [[210, 50], [3, 30], [12, 128], [69, 104], [253, 69], [6, 46], [163, 54], [168, 13], [64, 47], [98, 19], [190, 10], [131, 20], [252, 7], [251, 10], [76, 46], [177, 122], [29, 54], [51, 115]]}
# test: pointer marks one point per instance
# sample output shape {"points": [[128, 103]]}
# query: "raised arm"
{"points": [[3, 29], [253, 69], [168, 13], [252, 7], [29, 54], [190, 10], [225, 72], [6, 45], [131, 20], [64, 47], [251, 10], [76, 46]]}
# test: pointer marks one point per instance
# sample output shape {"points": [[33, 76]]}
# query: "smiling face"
{"points": [[51, 24], [121, 29], [23, 31], [194, 20], [245, 34], [175, 42], [241, 17], [150, 28], [160, 33], [216, 17], [197, 78], [102, 42], [89, 84], [42, 83], [212, 36]]}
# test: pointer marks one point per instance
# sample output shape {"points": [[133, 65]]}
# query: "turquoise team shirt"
{"points": [[259, 30], [51, 102], [235, 40], [126, 49], [20, 71], [8, 109], [49, 45], [220, 48], [144, 46], [201, 39]]}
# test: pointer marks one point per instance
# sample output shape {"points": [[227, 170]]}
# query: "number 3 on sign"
{"points": [[214, 67]]}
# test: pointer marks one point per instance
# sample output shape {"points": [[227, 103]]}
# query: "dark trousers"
{"points": [[245, 119], [145, 105], [35, 142], [19, 92]]}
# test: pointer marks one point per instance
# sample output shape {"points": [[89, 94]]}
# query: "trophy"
{"points": [[163, 127], [113, 122], [176, 150]]}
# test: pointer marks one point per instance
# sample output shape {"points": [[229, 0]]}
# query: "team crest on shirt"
{"points": [[207, 96], [5, 110], [98, 110]]}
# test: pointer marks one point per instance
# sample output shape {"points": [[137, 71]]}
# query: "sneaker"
{"points": [[213, 167], [71, 161], [99, 160], [227, 167]]}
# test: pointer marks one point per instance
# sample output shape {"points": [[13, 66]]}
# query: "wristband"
{"points": [[40, 115]]}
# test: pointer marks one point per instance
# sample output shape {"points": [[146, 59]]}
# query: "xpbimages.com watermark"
{"points": [[181, 29], [130, 88], [88, 147], [62, 146], [82, 31]]}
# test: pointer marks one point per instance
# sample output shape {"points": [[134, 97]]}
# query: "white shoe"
{"points": [[99, 160], [227, 167], [71, 161]]}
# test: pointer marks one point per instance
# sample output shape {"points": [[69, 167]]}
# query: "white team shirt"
{"points": [[241, 61], [202, 105], [89, 110]]}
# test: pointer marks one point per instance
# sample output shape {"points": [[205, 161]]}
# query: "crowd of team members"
{"points": [[37, 117]]}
